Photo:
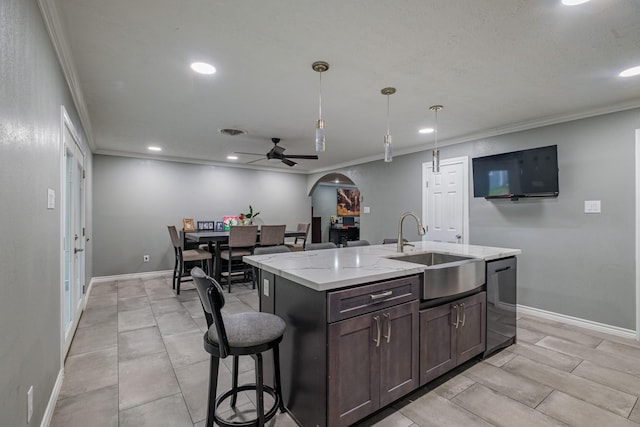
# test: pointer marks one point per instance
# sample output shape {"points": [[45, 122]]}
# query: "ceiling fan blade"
{"points": [[253, 161], [288, 162], [292, 156]]}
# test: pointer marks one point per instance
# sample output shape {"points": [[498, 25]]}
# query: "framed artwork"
{"points": [[188, 224], [348, 202], [229, 221], [219, 226], [205, 225]]}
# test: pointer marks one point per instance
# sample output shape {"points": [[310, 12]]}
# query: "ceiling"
{"points": [[496, 66]]}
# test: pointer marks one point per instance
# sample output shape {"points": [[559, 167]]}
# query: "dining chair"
{"points": [[295, 246], [318, 246], [238, 334], [352, 243], [272, 235], [179, 273], [242, 241]]}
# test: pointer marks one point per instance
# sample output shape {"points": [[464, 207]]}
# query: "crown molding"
{"points": [[54, 26]]}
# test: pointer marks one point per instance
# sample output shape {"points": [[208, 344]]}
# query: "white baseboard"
{"points": [[587, 324], [53, 399], [128, 276]]}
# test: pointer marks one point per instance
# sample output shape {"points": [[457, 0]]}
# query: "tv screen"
{"points": [[348, 221], [525, 173]]}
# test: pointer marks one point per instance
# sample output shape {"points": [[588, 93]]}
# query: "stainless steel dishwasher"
{"points": [[501, 304]]}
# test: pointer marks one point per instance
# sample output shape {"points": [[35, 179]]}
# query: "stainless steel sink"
{"points": [[446, 274]]}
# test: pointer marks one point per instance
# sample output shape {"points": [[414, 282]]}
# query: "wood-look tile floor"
{"points": [[137, 360]]}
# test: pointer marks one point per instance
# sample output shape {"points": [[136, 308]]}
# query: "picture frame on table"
{"points": [[219, 226], [188, 224], [206, 225]]}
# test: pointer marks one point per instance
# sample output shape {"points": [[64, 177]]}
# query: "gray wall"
{"points": [[572, 263], [135, 200], [324, 200], [32, 88]]}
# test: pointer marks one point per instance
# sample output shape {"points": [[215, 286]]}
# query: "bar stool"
{"points": [[236, 335]]}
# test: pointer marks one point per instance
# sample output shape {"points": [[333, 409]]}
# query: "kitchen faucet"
{"points": [[421, 231]]}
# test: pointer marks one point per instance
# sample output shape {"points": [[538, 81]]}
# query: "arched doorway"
{"points": [[335, 201]]}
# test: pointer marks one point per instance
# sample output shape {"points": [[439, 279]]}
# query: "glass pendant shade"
{"points": [[436, 160], [436, 152], [320, 140], [320, 67], [388, 151], [388, 154]]}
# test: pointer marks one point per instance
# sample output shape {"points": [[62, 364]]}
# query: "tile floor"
{"points": [[137, 360]]}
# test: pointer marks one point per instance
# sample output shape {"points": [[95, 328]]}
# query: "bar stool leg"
{"points": [[234, 385], [259, 389], [276, 376], [214, 363]]}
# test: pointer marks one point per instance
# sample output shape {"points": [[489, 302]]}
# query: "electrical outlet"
{"points": [[29, 404], [146, 258]]}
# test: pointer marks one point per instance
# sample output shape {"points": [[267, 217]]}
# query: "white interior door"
{"points": [[445, 201], [73, 239]]}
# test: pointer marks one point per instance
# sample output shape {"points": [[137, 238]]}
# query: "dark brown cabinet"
{"points": [[373, 360], [451, 334]]}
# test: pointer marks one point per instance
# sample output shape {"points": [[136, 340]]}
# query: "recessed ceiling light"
{"points": [[630, 72], [154, 148], [232, 157], [573, 2], [426, 130], [203, 68]]}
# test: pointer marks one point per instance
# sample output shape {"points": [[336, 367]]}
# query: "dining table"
{"points": [[215, 240]]}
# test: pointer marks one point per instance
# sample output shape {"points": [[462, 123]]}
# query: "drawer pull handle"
{"points": [[380, 295], [388, 336], [457, 316], [377, 340], [464, 313]]}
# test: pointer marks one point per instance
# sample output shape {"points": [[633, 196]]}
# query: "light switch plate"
{"points": [[51, 198], [366, 209], [592, 206]]}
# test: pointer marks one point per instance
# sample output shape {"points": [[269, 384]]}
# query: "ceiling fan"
{"points": [[277, 154]]}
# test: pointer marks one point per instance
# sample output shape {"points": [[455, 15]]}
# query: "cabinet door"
{"points": [[471, 327], [354, 364], [399, 352], [437, 342]]}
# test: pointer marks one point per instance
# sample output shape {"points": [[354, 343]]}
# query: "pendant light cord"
{"points": [[388, 115], [320, 98], [436, 130]]}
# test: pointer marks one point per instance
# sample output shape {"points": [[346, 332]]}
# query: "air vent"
{"points": [[232, 132]]}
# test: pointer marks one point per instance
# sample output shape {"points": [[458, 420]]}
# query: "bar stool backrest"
{"points": [[212, 299]]}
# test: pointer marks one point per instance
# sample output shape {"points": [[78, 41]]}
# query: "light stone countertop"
{"points": [[331, 269]]}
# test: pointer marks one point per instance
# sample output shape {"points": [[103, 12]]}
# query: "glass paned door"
{"points": [[73, 236]]}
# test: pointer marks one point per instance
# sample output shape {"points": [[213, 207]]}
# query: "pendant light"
{"points": [[388, 154], [320, 67], [436, 152]]}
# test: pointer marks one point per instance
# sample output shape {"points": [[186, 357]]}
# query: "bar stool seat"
{"points": [[236, 335]]}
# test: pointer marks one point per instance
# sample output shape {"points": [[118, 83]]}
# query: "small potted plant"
{"points": [[247, 218]]}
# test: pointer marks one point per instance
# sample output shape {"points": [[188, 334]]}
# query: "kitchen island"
{"points": [[358, 332]]}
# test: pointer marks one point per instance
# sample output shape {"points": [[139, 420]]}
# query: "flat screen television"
{"points": [[348, 221], [524, 173]]}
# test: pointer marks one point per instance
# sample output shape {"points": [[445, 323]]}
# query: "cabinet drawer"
{"points": [[367, 298]]}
